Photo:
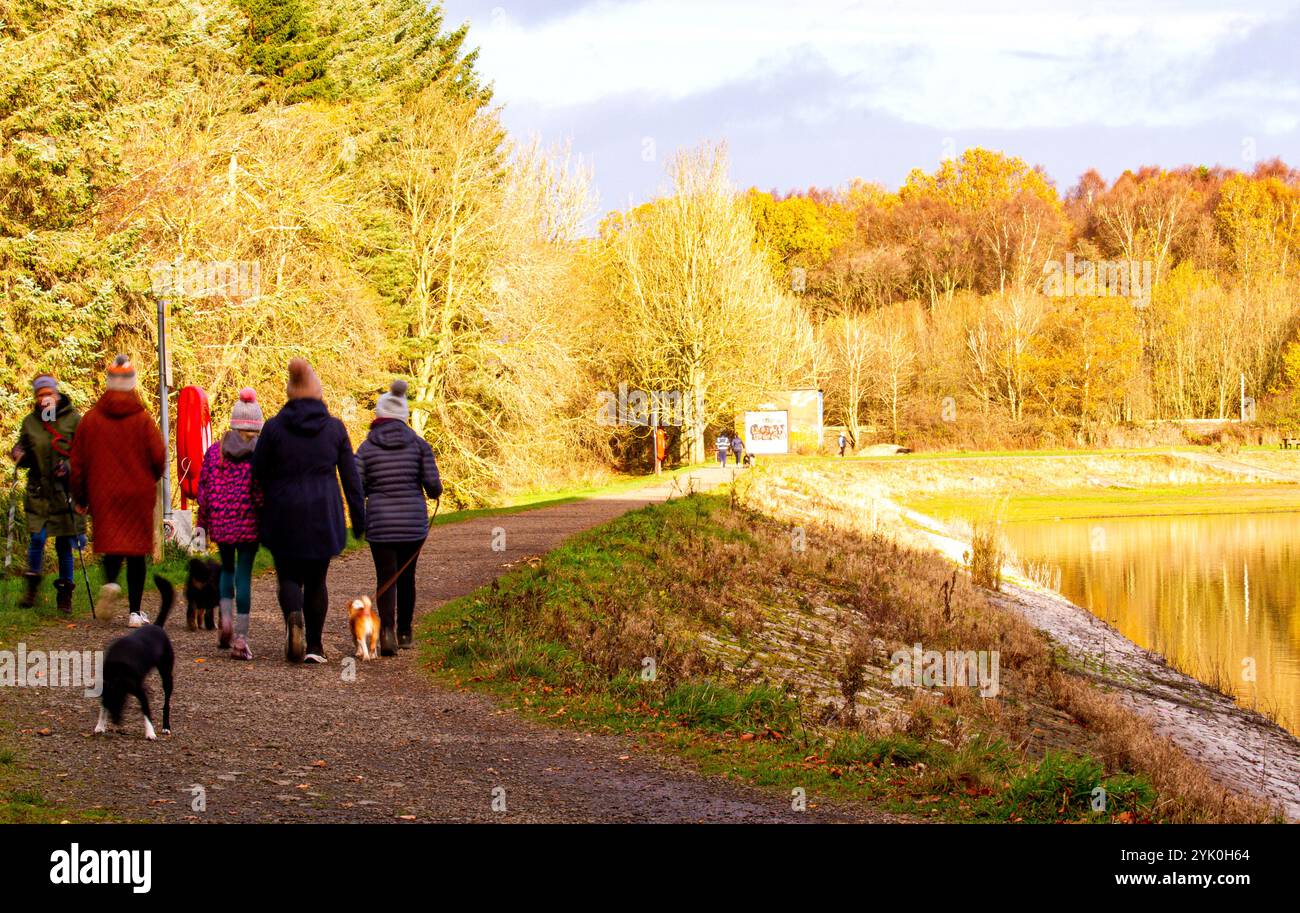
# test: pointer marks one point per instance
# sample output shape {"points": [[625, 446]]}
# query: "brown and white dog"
{"points": [[364, 621]]}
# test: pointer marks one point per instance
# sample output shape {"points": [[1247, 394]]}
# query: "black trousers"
{"points": [[302, 589], [134, 576], [397, 603]]}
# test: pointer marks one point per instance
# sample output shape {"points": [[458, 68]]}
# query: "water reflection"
{"points": [[1216, 595]]}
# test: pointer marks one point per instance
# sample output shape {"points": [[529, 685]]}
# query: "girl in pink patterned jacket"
{"points": [[229, 504]]}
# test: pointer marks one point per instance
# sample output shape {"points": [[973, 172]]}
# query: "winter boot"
{"points": [[239, 648], [33, 582], [63, 598], [227, 608], [387, 640]]}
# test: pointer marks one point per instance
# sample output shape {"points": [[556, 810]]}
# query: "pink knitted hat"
{"points": [[247, 414]]}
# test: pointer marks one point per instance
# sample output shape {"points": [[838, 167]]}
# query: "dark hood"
{"points": [[120, 403], [305, 417], [64, 406], [389, 434], [234, 447]]}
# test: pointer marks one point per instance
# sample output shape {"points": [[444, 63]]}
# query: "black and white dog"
{"points": [[128, 662]]}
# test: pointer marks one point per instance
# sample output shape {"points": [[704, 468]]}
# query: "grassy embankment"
{"points": [[760, 650], [974, 496]]}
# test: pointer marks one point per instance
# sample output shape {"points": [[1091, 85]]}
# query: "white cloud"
{"points": [[949, 65]]}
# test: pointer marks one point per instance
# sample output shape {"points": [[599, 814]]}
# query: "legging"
{"points": [[237, 573], [722, 458], [302, 589], [63, 546], [134, 576], [398, 601]]}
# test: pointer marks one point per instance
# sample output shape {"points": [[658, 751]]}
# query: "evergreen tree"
{"points": [[283, 45]]}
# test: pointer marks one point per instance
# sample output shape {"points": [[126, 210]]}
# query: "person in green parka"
{"points": [[43, 449]]}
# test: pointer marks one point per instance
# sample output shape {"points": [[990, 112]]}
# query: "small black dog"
{"points": [[202, 593], [130, 659]]}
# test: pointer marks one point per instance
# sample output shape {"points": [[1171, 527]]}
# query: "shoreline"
{"points": [[1240, 748]]}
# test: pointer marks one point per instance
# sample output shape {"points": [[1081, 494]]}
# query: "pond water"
{"points": [[1217, 595]]}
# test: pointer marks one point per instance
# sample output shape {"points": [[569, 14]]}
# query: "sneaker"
{"points": [[109, 601], [137, 620], [315, 658], [239, 648], [295, 638]]}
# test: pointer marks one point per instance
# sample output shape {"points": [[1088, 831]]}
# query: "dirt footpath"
{"points": [[269, 741]]}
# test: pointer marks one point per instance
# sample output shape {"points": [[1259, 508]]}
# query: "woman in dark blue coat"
{"points": [[397, 471], [301, 457]]}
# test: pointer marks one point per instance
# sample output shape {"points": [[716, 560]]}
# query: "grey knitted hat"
{"points": [[393, 403], [246, 414]]}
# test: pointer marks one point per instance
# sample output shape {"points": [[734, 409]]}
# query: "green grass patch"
{"points": [[1080, 503], [1067, 787]]}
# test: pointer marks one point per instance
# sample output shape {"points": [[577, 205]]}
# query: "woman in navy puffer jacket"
{"points": [[397, 470], [301, 459]]}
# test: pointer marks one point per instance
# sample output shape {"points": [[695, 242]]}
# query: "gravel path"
{"points": [[267, 741]]}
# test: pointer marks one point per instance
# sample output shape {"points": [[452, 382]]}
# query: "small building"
{"points": [[785, 421]]}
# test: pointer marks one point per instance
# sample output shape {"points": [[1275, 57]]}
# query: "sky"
{"points": [[818, 92]]}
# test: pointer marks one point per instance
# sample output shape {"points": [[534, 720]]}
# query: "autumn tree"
{"points": [[699, 310]]}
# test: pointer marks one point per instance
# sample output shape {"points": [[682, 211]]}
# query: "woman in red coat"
{"points": [[117, 459]]}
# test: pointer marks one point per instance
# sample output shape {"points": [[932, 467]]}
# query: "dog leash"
{"points": [[416, 554]]}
